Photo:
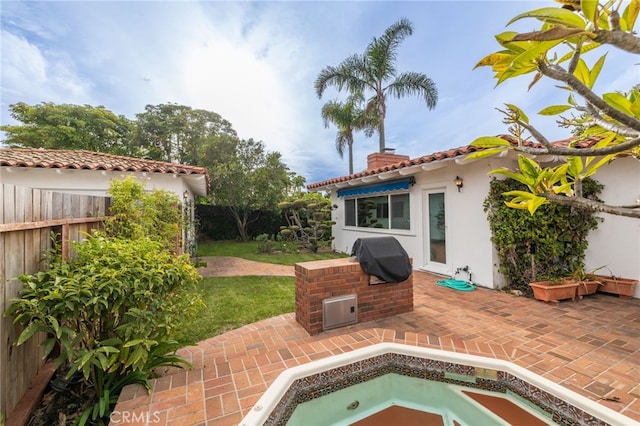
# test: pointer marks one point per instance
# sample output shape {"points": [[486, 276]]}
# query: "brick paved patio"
{"points": [[591, 346]]}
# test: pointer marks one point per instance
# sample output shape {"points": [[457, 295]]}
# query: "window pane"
{"points": [[437, 228], [350, 212], [400, 212], [373, 212]]}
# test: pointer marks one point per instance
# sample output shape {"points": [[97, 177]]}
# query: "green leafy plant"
{"points": [[112, 310], [136, 214], [545, 246], [605, 126]]}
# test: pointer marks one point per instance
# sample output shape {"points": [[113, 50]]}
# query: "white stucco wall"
{"points": [[616, 242], [88, 182], [467, 230]]}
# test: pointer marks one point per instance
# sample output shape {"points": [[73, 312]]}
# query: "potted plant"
{"points": [[623, 287], [554, 290], [587, 283]]}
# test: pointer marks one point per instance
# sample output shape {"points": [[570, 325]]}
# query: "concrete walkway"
{"points": [[591, 346], [222, 266]]}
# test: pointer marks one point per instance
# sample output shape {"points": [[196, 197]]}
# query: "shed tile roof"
{"points": [[89, 160], [436, 156]]}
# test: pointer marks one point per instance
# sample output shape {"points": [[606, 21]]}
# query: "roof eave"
{"points": [[385, 175]]}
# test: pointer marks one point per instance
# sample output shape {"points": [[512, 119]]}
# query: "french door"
{"points": [[435, 231]]}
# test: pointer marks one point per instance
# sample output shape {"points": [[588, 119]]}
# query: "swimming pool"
{"points": [[313, 380], [445, 403]]}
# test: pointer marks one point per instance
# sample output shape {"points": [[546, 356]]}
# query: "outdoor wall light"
{"points": [[458, 182], [185, 195]]}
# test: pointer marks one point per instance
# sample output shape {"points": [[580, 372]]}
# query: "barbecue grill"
{"points": [[382, 257]]}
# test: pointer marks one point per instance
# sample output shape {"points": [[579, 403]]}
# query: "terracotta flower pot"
{"points": [[549, 291], [623, 287], [587, 287]]}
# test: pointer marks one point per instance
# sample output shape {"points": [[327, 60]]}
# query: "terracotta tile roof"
{"points": [[89, 160], [436, 156]]}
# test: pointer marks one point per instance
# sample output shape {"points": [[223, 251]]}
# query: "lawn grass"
{"points": [[249, 251], [232, 302]]}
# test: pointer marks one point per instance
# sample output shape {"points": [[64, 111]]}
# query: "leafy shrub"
{"points": [[546, 245], [266, 244], [112, 310], [136, 214]]}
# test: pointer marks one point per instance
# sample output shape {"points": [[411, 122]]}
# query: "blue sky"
{"points": [[254, 63]]}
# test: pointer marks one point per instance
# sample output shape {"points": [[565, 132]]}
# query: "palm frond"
{"points": [[347, 75], [342, 140], [395, 34], [412, 83]]}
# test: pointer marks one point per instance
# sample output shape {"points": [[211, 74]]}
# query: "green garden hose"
{"points": [[457, 284]]}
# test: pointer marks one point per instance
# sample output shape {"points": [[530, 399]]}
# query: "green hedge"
{"points": [[217, 223], [549, 244]]}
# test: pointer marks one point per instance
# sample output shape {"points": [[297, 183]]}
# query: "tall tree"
{"points": [[375, 71], [177, 133], [607, 125], [67, 126], [347, 117], [246, 178]]}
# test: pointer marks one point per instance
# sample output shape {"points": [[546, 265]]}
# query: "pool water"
{"points": [[452, 388], [451, 405]]}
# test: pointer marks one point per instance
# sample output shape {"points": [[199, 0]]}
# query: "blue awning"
{"points": [[395, 185]]}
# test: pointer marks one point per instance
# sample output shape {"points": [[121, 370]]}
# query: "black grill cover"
{"points": [[383, 257]]}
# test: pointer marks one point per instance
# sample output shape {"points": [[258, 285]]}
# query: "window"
{"points": [[382, 211], [350, 212]]}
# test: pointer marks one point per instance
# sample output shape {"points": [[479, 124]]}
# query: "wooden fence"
{"points": [[27, 219]]}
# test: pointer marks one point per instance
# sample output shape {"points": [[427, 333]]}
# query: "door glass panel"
{"points": [[437, 241]]}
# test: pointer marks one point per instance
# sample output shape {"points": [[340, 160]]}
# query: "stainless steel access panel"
{"points": [[339, 311]]}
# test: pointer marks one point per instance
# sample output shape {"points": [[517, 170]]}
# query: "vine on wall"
{"points": [[547, 245]]}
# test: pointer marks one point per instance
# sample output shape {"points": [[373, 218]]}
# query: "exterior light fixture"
{"points": [[458, 182], [185, 195]]}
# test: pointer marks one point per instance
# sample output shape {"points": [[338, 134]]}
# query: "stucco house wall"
{"points": [[467, 232], [90, 173], [615, 244], [93, 182]]}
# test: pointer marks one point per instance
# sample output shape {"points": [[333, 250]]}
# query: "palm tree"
{"points": [[375, 71], [347, 117]]}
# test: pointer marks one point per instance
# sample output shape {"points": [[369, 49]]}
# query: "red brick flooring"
{"points": [[591, 346]]}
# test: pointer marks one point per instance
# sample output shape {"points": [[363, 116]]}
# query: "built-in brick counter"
{"points": [[323, 279]]}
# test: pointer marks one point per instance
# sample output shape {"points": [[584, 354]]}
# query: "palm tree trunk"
{"points": [[351, 158], [382, 112]]}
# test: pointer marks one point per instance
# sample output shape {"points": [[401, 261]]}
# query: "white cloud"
{"points": [[32, 75], [22, 61], [254, 63]]}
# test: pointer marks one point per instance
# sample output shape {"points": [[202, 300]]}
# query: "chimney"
{"points": [[381, 159]]}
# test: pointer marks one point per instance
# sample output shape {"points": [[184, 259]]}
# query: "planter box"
{"points": [[548, 291], [623, 287], [586, 288]]}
